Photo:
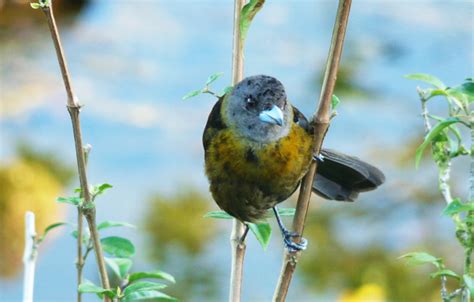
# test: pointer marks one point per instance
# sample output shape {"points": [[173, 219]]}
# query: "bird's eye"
{"points": [[250, 102]]}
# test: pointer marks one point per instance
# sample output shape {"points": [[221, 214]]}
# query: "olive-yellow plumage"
{"points": [[258, 147]]}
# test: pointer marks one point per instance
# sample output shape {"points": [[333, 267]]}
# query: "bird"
{"points": [[258, 147]]}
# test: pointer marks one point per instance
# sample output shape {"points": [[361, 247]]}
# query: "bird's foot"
{"points": [[294, 246], [319, 157]]}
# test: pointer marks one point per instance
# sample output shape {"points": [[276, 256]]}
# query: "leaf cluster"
{"points": [[120, 250]]}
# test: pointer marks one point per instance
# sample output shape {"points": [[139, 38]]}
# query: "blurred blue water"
{"points": [[132, 61]]}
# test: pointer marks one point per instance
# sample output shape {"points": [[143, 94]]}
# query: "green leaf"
{"points": [[226, 90], [151, 275], [262, 232], [77, 201], [89, 287], [35, 5], [118, 247], [213, 77], [147, 295], [427, 78], [418, 258], [85, 235], [456, 207], [246, 16], [110, 224], [218, 215], [469, 281], [120, 266], [445, 272], [334, 101], [77, 190], [192, 94], [434, 132], [51, 227], [143, 285], [281, 212], [100, 189]]}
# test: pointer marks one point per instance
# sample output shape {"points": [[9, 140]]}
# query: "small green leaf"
{"points": [[469, 281], [418, 258], [281, 212], [262, 232], [218, 215], [213, 77], [226, 90], [246, 16], [35, 5], [143, 285], [51, 227], [77, 201], [89, 287], [147, 295], [77, 190], [192, 94], [118, 247], [110, 224], [427, 78], [445, 272], [151, 275], [120, 266], [434, 132], [100, 189], [334, 101], [456, 207]]}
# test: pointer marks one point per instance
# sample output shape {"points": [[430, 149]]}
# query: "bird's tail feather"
{"points": [[342, 177]]}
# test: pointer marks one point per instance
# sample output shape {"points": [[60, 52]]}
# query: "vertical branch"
{"points": [[29, 257], [320, 123], [80, 227], [74, 110], [237, 245]]}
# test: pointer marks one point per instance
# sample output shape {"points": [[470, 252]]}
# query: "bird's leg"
{"points": [[287, 236], [244, 235]]}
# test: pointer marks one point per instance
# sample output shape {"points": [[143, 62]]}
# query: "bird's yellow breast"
{"points": [[278, 165]]}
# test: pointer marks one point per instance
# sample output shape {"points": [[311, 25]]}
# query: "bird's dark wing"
{"points": [[301, 120], [214, 124], [343, 177]]}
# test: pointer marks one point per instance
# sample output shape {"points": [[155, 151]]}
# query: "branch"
{"points": [[80, 223], [74, 110], [237, 245], [321, 124], [29, 257]]}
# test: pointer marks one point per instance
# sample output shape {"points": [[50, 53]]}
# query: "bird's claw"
{"points": [[319, 157], [294, 246]]}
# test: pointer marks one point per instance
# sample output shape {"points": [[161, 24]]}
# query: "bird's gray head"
{"points": [[258, 109]]}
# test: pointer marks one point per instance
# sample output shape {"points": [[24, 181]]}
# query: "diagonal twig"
{"points": [[321, 124], [73, 108]]}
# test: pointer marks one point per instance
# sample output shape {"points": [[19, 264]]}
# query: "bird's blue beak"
{"points": [[272, 116]]}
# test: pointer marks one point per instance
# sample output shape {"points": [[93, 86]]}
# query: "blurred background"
{"points": [[131, 63]]}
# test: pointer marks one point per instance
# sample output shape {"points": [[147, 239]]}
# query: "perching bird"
{"points": [[258, 147]]}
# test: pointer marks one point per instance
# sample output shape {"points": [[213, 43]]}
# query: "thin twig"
{"points": [[237, 245], [74, 110], [80, 225], [321, 124]]}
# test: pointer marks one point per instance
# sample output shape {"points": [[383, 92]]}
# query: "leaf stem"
{"points": [[74, 110], [321, 124]]}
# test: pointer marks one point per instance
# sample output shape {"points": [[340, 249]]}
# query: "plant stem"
{"points": [[321, 124], [74, 110], [80, 225], [237, 246], [29, 257]]}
